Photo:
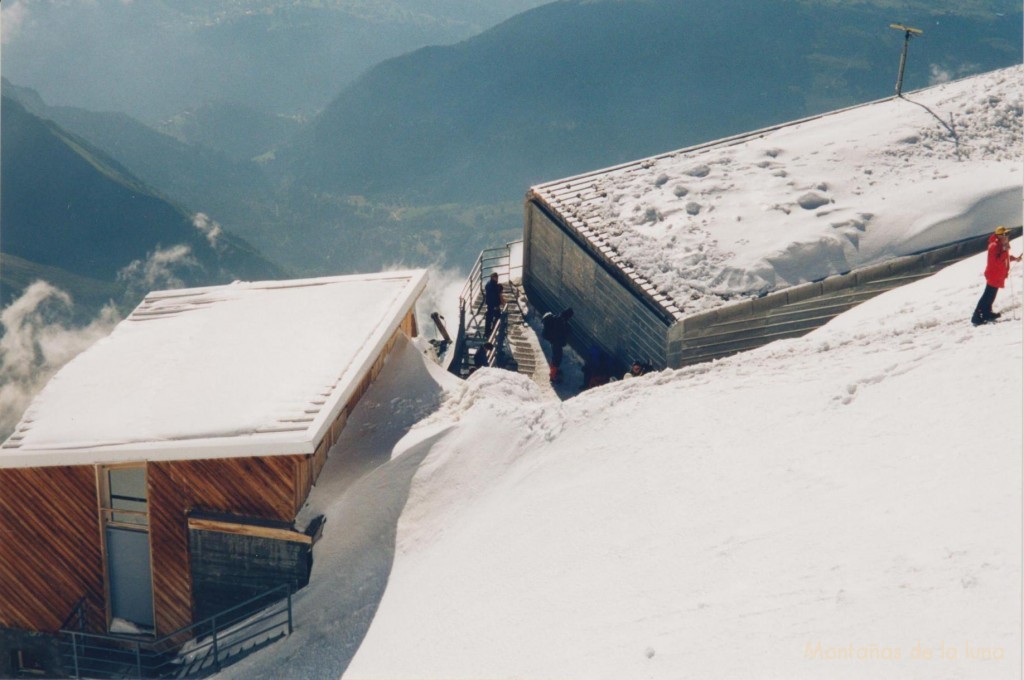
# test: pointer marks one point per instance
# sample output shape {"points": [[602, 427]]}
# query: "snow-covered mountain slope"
{"points": [[818, 508], [844, 505]]}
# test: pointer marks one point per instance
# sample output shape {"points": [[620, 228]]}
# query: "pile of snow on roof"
{"points": [[749, 215]]}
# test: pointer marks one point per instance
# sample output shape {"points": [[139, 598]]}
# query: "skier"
{"points": [[556, 331], [494, 298], [996, 271]]}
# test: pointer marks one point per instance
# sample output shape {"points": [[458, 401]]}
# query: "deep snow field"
{"points": [[842, 505]]}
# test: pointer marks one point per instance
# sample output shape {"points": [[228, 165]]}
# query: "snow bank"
{"points": [[361, 492], [843, 505]]}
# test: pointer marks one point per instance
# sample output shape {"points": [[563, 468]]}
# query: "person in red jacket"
{"points": [[996, 271]]}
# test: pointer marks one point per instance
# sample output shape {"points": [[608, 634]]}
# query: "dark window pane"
{"points": [[128, 483]]}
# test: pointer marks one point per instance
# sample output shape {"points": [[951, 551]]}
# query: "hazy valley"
{"points": [[425, 157]]}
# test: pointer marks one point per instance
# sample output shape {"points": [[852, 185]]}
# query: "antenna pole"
{"points": [[907, 33]]}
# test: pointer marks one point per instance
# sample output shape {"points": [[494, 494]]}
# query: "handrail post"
{"points": [[460, 348], [74, 652], [289, 611], [216, 654], [149, 654], [503, 341]]}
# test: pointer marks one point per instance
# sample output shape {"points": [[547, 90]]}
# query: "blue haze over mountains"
{"points": [[76, 217], [152, 59], [287, 134]]}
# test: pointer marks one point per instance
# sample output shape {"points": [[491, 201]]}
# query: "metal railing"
{"points": [[76, 619], [473, 308], [489, 261], [194, 651]]}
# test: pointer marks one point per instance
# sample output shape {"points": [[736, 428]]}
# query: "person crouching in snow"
{"points": [[996, 271]]}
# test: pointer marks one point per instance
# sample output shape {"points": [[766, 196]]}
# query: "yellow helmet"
{"points": [[1000, 230]]}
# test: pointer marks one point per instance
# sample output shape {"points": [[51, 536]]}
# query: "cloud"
{"points": [[13, 15], [159, 271], [940, 74], [210, 229], [36, 342]]}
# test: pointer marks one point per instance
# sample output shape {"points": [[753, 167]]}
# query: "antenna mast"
{"points": [[908, 32]]}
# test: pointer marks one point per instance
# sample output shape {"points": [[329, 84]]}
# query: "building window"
{"points": [[125, 498]]}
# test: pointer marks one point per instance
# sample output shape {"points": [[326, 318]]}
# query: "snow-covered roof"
{"points": [[759, 212], [244, 369]]}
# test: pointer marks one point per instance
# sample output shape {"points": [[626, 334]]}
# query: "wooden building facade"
{"points": [[157, 540]]}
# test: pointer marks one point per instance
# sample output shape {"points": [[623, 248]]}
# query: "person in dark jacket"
{"points": [[480, 356], [595, 368], [493, 298], [996, 271], [556, 331]]}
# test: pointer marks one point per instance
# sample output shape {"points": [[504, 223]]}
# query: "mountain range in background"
{"points": [[156, 59], [206, 178], [425, 158], [579, 85], [73, 215]]}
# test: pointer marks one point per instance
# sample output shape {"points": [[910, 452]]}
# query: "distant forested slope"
{"points": [[70, 207], [582, 84]]}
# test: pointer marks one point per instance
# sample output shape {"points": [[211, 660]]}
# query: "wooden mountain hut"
{"points": [[158, 477]]}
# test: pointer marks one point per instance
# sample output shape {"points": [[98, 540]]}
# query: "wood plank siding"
{"points": [[612, 310], [51, 540], [49, 546], [274, 488], [251, 487], [248, 529]]}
